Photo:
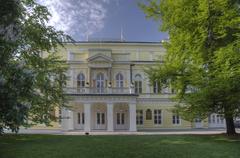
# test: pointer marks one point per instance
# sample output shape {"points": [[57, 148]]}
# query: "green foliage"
{"points": [[202, 61], [30, 86]]}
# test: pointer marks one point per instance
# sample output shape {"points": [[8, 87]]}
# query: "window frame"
{"points": [[139, 117], [81, 80], [121, 118], [138, 84], [176, 119], [80, 118], [158, 118], [119, 80], [100, 82], [101, 118], [156, 87]]}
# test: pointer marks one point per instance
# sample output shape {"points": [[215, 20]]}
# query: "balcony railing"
{"points": [[91, 90]]}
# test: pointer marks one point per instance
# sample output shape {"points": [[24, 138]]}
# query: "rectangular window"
{"points": [[157, 116], [98, 118], [139, 118], [83, 118], [103, 118], [119, 83], [216, 118], [138, 86], [118, 118], [79, 118], [176, 119], [122, 119], [80, 84], [156, 87]]}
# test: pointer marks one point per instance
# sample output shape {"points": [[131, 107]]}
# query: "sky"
{"points": [[103, 19]]}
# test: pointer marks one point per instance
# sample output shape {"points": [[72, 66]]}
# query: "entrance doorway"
{"points": [[100, 120], [79, 120], [121, 117]]}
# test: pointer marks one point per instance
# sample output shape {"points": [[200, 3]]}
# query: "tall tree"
{"points": [[31, 86], [202, 62]]}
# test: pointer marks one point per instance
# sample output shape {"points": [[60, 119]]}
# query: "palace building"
{"points": [[109, 90]]}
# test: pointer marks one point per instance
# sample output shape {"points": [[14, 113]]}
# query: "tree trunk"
{"points": [[230, 126]]}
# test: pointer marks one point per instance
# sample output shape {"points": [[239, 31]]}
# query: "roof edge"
{"points": [[113, 42]]}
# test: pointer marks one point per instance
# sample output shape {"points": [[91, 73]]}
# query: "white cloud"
{"points": [[78, 18]]}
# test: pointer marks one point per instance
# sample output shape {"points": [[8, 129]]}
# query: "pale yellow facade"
{"points": [[109, 89]]}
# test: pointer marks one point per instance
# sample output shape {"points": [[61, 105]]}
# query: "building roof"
{"points": [[112, 42]]}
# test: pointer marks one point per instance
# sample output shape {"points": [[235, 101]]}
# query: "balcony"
{"points": [[99, 91]]}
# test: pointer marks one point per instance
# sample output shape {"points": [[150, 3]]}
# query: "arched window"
{"points": [[149, 114], [100, 76], [119, 80], [138, 83], [81, 80], [100, 82], [156, 87]]}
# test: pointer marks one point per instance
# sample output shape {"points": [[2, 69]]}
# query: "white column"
{"points": [[132, 114], [64, 123], [67, 119], [87, 113], [70, 120], [110, 117]]}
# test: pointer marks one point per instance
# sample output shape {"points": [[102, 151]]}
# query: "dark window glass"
{"points": [[157, 116], [79, 118], [118, 118], [103, 118], [139, 117], [122, 118], [83, 118], [98, 118]]}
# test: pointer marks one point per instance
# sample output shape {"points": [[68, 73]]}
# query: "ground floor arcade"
{"points": [[100, 113], [100, 116], [126, 113]]}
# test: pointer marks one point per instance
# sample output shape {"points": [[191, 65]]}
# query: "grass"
{"points": [[178, 146]]}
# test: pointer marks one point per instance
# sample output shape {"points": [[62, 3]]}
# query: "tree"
{"points": [[31, 86], [202, 62]]}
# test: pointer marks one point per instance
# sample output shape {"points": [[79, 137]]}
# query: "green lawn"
{"points": [[57, 146]]}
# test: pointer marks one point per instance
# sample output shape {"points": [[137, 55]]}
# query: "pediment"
{"points": [[100, 58]]}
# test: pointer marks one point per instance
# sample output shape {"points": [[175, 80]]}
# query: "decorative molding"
{"points": [[99, 64], [154, 100], [104, 99], [100, 56]]}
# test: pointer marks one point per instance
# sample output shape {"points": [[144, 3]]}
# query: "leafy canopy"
{"points": [[202, 62], [31, 86]]}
